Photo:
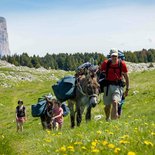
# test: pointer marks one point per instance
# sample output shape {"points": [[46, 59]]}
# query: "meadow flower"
{"points": [[71, 148], [3, 137], [123, 142], [153, 133], [59, 133], [94, 143], [148, 143], [62, 149], [84, 148], [95, 150], [104, 142], [117, 150], [48, 132], [48, 140], [99, 132], [125, 136], [131, 153], [111, 146], [77, 143], [111, 133]]}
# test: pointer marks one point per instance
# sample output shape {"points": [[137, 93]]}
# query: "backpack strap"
{"points": [[119, 66], [107, 67]]}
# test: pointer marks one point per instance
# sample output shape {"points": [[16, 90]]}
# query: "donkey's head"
{"points": [[91, 89]]}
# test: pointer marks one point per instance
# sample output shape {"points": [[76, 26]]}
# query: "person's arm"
{"points": [[59, 115], [16, 114], [126, 77]]}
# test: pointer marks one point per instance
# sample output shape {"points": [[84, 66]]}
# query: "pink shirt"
{"points": [[58, 111]]}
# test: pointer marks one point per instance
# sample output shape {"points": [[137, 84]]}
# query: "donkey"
{"points": [[86, 95], [46, 118]]}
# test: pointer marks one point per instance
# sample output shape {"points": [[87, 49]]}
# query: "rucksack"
{"points": [[120, 55], [65, 88], [39, 109], [103, 76]]}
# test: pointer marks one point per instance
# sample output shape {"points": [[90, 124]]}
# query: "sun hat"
{"points": [[113, 52]]}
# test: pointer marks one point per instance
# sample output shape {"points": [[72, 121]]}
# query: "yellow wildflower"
{"points": [[48, 140], [104, 142], [148, 143], [111, 133], [48, 132], [117, 150], [63, 149], [77, 143], [123, 142], [94, 143], [125, 136], [131, 153], [111, 146], [84, 148], [153, 133], [95, 151], [71, 148], [99, 132]]}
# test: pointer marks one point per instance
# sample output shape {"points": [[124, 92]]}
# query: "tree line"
{"points": [[67, 61]]}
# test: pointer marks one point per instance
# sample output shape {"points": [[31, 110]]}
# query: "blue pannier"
{"points": [[39, 109], [65, 88]]}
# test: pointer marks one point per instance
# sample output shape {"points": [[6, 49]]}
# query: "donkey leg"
{"points": [[78, 117], [88, 114], [72, 113]]}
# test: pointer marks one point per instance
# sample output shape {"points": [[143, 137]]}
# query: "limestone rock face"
{"points": [[4, 44]]}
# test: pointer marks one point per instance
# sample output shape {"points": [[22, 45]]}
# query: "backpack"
{"points": [[65, 88], [65, 109], [103, 76], [38, 109], [120, 55]]}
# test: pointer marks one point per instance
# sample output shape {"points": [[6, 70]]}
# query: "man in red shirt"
{"points": [[113, 90]]}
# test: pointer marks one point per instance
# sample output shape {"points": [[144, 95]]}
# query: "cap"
{"points": [[113, 52]]}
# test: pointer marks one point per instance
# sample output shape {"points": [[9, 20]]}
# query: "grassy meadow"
{"points": [[132, 134]]}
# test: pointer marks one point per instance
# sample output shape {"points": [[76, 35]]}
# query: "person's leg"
{"points": [[114, 111], [56, 126], [17, 126], [107, 101], [21, 126], [116, 97], [107, 112]]}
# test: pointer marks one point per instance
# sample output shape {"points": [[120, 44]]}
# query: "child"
{"points": [[57, 116], [20, 115]]}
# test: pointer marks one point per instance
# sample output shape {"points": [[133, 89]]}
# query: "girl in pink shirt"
{"points": [[57, 115]]}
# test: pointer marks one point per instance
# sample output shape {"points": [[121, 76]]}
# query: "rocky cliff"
{"points": [[4, 44]]}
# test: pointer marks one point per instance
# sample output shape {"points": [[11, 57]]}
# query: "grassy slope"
{"points": [[134, 132]]}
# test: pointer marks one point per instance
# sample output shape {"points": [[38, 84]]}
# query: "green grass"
{"points": [[133, 132]]}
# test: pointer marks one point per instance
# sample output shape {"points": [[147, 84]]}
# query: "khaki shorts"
{"points": [[114, 93]]}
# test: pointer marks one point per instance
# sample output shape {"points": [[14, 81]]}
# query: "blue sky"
{"points": [[68, 26]]}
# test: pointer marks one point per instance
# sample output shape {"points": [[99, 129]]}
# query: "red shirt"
{"points": [[114, 74]]}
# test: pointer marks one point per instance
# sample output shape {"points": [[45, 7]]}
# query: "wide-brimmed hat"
{"points": [[113, 52]]}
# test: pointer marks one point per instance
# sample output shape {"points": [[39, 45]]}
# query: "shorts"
{"points": [[20, 119], [115, 92]]}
